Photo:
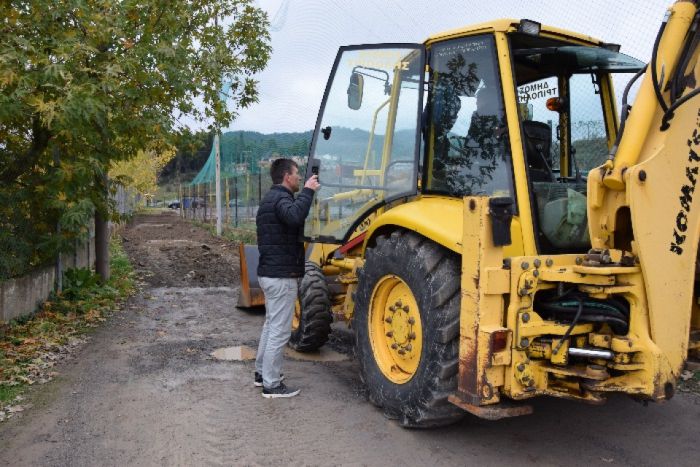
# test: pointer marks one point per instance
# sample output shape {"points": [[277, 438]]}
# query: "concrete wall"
{"points": [[22, 295]]}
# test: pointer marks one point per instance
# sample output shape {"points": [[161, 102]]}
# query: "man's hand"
{"points": [[312, 183]]}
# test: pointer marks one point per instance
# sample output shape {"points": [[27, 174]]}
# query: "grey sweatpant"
{"points": [[280, 295]]}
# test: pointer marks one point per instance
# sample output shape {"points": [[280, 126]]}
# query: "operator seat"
{"points": [[538, 142]]}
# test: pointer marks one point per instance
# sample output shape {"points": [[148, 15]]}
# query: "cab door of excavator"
{"points": [[366, 145]]}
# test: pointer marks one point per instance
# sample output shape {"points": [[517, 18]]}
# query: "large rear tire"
{"points": [[312, 315], [407, 328]]}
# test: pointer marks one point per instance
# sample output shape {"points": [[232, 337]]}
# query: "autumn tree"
{"points": [[141, 171], [85, 84]]}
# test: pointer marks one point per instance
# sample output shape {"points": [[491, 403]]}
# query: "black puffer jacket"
{"points": [[280, 226]]}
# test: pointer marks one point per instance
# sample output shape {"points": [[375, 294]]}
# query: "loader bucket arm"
{"points": [[251, 294], [642, 200]]}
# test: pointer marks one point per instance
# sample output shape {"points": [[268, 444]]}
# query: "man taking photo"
{"points": [[280, 225]]}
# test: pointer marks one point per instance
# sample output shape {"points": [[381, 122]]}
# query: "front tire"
{"points": [[312, 314], [407, 328]]}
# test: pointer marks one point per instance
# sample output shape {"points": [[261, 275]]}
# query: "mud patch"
{"points": [[324, 354], [341, 338]]}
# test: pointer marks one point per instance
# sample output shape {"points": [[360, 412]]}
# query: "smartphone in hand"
{"points": [[315, 168]]}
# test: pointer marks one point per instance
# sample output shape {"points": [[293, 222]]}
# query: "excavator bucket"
{"points": [[251, 294]]}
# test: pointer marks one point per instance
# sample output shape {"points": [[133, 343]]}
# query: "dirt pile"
{"points": [[168, 251]]}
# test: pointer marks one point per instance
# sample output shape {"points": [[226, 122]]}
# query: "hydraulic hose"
{"points": [[668, 115], [611, 311], [676, 81], [625, 111], [686, 55], [619, 326], [571, 327], [654, 54], [667, 46], [587, 311]]}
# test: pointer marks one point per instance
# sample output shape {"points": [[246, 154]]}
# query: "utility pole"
{"points": [[218, 185]]}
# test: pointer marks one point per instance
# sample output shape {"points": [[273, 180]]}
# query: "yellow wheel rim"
{"points": [[395, 330], [297, 315]]}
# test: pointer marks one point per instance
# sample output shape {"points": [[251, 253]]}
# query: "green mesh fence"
{"points": [[244, 176], [236, 160], [245, 159]]}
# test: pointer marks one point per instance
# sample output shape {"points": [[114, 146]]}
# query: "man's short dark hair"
{"points": [[281, 167]]}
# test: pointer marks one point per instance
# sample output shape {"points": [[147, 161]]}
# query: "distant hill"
{"points": [[263, 146], [351, 144]]}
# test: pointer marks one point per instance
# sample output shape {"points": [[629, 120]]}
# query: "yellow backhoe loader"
{"points": [[495, 228]]}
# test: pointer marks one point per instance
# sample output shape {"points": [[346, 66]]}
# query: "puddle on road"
{"points": [[237, 354], [242, 353]]}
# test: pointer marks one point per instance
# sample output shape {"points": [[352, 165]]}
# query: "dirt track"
{"points": [[145, 391]]}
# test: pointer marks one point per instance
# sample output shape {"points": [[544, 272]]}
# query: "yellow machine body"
{"points": [[643, 229]]}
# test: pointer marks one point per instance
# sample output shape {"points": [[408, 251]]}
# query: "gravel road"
{"points": [[145, 390]]}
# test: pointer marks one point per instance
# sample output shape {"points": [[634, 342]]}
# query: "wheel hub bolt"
{"points": [[411, 335], [394, 346], [405, 308], [409, 347], [399, 304], [390, 334], [392, 308], [388, 320], [411, 320], [402, 352]]}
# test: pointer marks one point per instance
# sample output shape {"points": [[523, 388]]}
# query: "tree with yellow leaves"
{"points": [[85, 86], [141, 172]]}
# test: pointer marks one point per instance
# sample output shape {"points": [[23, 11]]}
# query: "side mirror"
{"points": [[355, 87]]}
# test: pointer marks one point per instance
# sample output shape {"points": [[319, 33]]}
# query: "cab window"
{"points": [[465, 126]]}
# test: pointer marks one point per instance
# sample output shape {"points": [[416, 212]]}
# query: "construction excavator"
{"points": [[495, 225]]}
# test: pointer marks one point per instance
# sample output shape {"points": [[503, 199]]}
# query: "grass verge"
{"points": [[31, 346]]}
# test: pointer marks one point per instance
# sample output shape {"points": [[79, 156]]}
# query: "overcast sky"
{"points": [[306, 35]]}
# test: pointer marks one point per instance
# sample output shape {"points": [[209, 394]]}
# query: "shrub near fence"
{"points": [[28, 274]]}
